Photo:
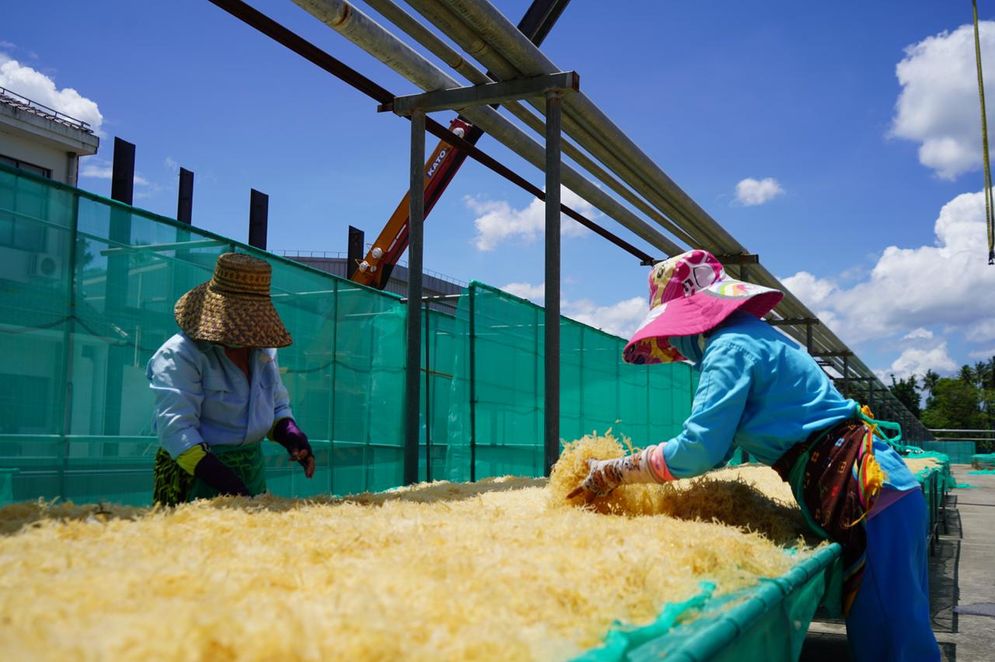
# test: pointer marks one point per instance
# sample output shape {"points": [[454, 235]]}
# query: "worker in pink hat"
{"points": [[762, 392]]}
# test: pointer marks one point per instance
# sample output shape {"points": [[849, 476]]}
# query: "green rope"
{"points": [[894, 440], [989, 205]]}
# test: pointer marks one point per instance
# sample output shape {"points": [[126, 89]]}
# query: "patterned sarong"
{"points": [[836, 480], [170, 483]]}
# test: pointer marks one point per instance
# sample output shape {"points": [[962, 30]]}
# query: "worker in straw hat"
{"points": [[762, 392], [218, 391]]}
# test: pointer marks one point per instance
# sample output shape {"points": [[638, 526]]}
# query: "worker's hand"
{"points": [[221, 477], [603, 476], [287, 434]]}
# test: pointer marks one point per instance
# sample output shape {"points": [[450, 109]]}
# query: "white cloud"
{"points": [[947, 283], [918, 334], [497, 221], [96, 168], [981, 331], [534, 293], [40, 88], [172, 165], [982, 354], [621, 318], [811, 290], [751, 192], [938, 105], [915, 361]]}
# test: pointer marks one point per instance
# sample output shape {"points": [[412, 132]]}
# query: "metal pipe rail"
{"points": [[356, 26], [495, 62]]}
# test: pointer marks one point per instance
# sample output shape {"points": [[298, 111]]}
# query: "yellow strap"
{"points": [[191, 457]]}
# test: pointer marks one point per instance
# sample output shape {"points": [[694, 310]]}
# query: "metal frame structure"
{"points": [[648, 203], [552, 87]]}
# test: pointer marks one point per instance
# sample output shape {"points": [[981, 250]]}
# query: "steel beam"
{"points": [[794, 321], [738, 258], [485, 94]]}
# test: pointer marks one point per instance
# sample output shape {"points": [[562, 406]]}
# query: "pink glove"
{"points": [[646, 466]]}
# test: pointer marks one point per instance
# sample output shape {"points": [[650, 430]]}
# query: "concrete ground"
{"points": [[962, 579]]}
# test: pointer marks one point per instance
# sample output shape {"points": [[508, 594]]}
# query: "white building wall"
{"points": [[27, 148]]}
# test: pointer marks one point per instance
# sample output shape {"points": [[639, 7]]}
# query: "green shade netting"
{"points": [[87, 287]]}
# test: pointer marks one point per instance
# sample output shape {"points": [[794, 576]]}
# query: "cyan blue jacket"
{"points": [[763, 392]]}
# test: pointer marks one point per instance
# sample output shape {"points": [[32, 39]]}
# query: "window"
{"points": [[23, 206], [27, 167]]}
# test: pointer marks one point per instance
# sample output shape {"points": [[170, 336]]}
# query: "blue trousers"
{"points": [[890, 618]]}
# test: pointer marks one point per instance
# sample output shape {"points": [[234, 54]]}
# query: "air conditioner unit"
{"points": [[46, 265]]}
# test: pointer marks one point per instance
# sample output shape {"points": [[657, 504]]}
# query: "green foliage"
{"points": [[956, 404], [964, 402], [906, 391]]}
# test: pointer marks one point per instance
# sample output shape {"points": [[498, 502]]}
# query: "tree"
{"points": [[906, 391], [929, 381], [954, 404]]}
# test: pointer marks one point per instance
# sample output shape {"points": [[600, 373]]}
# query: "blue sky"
{"points": [[865, 183]]}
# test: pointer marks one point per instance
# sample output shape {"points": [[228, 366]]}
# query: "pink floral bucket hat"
{"points": [[690, 293]]}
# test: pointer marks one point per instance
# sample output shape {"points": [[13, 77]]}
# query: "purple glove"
{"points": [[287, 434]]}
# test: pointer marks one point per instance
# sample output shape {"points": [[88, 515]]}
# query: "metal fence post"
{"points": [[473, 383]]}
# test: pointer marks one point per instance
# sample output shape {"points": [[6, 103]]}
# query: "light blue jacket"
{"points": [[761, 391], [201, 396]]}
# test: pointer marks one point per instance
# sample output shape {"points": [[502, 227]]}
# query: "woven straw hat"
{"points": [[234, 307]]}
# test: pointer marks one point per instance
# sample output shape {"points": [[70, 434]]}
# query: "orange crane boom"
{"points": [[442, 165]]}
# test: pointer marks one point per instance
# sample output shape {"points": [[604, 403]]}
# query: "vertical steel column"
{"points": [[846, 375], [258, 218], [808, 336], [552, 364], [184, 199], [416, 215]]}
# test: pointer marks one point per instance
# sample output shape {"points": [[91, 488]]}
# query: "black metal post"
{"points": [[123, 171], [846, 375], [552, 296], [416, 202], [184, 199], [808, 337], [357, 241], [122, 190], [258, 218]]}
